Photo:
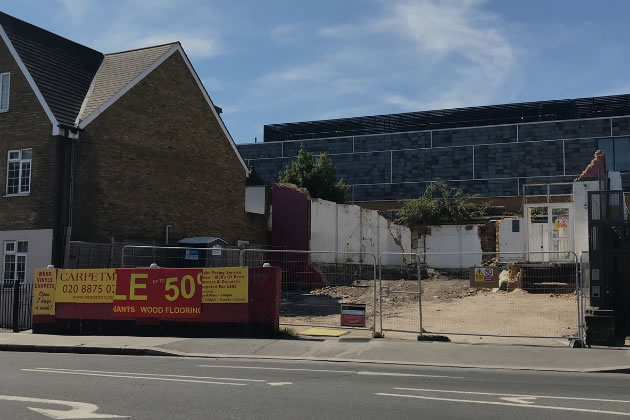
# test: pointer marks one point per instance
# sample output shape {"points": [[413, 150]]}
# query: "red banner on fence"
{"points": [[165, 293]]}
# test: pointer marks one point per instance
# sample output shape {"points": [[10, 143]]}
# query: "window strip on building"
{"points": [[4, 91], [19, 164]]}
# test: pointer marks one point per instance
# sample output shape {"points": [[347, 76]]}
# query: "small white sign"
{"points": [[216, 250], [192, 254]]}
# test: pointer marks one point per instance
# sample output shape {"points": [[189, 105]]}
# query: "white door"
{"points": [[561, 232], [550, 233], [538, 233]]}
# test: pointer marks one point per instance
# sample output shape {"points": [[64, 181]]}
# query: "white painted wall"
{"points": [[39, 249], [580, 213], [255, 199], [452, 240], [349, 228], [511, 241], [614, 178]]}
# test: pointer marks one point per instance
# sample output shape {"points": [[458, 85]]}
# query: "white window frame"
{"points": [[8, 76], [22, 162], [16, 255], [551, 255]]}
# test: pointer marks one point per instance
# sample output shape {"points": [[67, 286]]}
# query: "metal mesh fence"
{"points": [[316, 283], [482, 294], [399, 285], [584, 291], [95, 255], [178, 257]]}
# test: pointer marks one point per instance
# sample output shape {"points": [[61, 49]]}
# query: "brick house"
{"points": [[109, 145]]}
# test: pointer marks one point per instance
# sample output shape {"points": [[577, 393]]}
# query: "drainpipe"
{"points": [[167, 227], [65, 191]]}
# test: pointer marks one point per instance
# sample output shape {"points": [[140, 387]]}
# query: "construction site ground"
{"points": [[449, 307]]}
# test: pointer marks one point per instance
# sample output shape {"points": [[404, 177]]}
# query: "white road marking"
{"points": [[369, 373], [153, 374], [520, 400], [277, 368], [279, 383], [512, 395], [366, 373], [581, 410], [78, 410], [134, 377]]}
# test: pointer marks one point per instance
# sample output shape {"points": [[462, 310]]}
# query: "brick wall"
{"points": [[26, 125], [156, 157]]}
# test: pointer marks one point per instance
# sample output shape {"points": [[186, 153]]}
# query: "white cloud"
{"points": [[77, 9], [212, 84], [199, 47], [141, 23], [415, 55], [286, 32]]}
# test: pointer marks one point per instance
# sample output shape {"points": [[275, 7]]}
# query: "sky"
{"points": [[278, 61]]}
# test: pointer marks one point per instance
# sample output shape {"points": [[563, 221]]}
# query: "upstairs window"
{"points": [[15, 253], [5, 81], [617, 152], [19, 172]]}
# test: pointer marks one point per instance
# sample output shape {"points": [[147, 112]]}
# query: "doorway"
{"points": [[549, 232]]}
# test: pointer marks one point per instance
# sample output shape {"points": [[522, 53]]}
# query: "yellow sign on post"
{"points": [[44, 292], [225, 285], [86, 286]]}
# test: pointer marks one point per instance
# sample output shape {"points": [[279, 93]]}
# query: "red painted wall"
{"points": [[263, 309], [291, 229], [290, 218]]}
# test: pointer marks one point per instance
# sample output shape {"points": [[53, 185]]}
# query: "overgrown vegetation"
{"points": [[287, 334], [318, 176], [441, 204]]}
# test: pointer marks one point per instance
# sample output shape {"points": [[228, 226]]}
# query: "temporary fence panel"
{"points": [[517, 299], [313, 292], [584, 292], [179, 257], [12, 304], [94, 255], [399, 286], [483, 294]]}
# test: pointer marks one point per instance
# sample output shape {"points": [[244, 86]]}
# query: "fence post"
{"points": [[375, 301], [419, 294], [111, 253], [16, 305], [380, 292]]}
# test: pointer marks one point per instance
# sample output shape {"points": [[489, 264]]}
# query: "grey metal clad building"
{"points": [[489, 150]]}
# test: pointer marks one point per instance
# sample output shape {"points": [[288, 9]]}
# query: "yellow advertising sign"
{"points": [[44, 292], [225, 285], [86, 286]]}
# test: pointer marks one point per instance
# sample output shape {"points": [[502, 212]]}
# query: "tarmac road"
{"points": [[43, 385]]}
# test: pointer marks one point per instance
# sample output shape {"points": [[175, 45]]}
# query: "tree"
{"points": [[318, 176], [441, 204]]}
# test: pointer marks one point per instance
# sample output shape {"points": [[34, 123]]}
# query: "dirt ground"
{"points": [[449, 306]]}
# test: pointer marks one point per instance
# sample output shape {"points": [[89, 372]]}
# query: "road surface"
{"points": [[63, 386]]}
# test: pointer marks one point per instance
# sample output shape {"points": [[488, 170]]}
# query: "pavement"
{"points": [[348, 348]]}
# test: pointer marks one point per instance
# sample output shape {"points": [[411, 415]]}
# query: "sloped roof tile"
{"points": [[117, 71], [61, 69]]}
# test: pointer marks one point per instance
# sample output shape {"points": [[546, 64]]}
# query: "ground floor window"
{"points": [[15, 254]]}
